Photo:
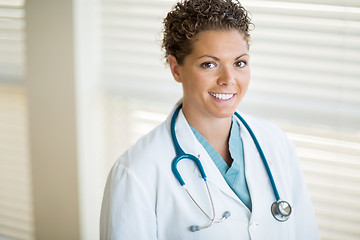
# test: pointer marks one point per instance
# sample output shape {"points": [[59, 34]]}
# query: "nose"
{"points": [[226, 76]]}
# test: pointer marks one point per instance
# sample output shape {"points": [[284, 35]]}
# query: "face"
{"points": [[215, 76]]}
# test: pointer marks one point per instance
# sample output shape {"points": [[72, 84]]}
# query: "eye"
{"points": [[240, 64], [208, 65]]}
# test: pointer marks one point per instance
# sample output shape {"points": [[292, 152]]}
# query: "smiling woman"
{"points": [[296, 82], [215, 76], [206, 45]]}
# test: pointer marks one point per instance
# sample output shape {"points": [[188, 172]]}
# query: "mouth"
{"points": [[222, 96]]}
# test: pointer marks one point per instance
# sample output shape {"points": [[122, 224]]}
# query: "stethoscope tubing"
{"points": [[177, 147], [281, 210], [180, 154], [262, 156]]}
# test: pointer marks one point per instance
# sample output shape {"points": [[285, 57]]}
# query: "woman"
{"points": [[206, 44]]}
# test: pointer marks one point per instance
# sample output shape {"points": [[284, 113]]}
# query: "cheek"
{"points": [[195, 80], [244, 79], [247, 79], [248, 74]]}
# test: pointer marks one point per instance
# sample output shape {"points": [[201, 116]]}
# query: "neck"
{"points": [[216, 131]]}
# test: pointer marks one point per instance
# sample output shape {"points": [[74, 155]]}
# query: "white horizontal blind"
{"points": [[132, 58], [331, 164], [12, 41], [16, 216], [305, 70], [306, 61]]}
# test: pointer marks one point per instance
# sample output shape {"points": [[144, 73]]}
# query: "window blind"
{"points": [[16, 219], [16, 215], [305, 58], [11, 41]]}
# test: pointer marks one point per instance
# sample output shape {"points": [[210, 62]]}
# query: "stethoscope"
{"points": [[280, 209]]}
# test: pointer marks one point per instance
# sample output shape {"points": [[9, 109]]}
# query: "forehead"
{"points": [[220, 43]]}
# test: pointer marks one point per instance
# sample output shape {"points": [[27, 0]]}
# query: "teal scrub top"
{"points": [[235, 174]]}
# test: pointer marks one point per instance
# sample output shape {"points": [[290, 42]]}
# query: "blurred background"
{"points": [[82, 80]]}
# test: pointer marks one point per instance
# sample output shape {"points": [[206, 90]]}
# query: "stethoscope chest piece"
{"points": [[281, 210]]}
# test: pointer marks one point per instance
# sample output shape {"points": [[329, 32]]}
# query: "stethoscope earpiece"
{"points": [[194, 228], [281, 210]]}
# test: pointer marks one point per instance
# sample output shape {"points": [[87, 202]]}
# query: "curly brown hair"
{"points": [[188, 18]]}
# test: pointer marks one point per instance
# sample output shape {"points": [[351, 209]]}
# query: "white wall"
{"points": [[50, 84]]}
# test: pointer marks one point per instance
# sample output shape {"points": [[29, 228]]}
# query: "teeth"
{"points": [[222, 96]]}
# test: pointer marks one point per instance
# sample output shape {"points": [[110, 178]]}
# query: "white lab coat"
{"points": [[143, 200]]}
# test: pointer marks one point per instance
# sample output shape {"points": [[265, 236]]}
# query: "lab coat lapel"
{"points": [[257, 179], [189, 144]]}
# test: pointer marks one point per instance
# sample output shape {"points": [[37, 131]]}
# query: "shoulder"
{"points": [[263, 127], [140, 168], [148, 150], [270, 136], [150, 156]]}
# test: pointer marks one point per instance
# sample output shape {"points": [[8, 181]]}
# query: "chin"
{"points": [[224, 113]]}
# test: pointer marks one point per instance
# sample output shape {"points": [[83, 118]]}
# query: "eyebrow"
{"points": [[245, 54], [217, 59]]}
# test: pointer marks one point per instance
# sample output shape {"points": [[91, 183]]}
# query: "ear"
{"points": [[175, 68]]}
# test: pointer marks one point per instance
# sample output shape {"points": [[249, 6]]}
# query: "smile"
{"points": [[222, 96]]}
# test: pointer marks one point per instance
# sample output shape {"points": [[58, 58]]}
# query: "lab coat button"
{"points": [[253, 226]]}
